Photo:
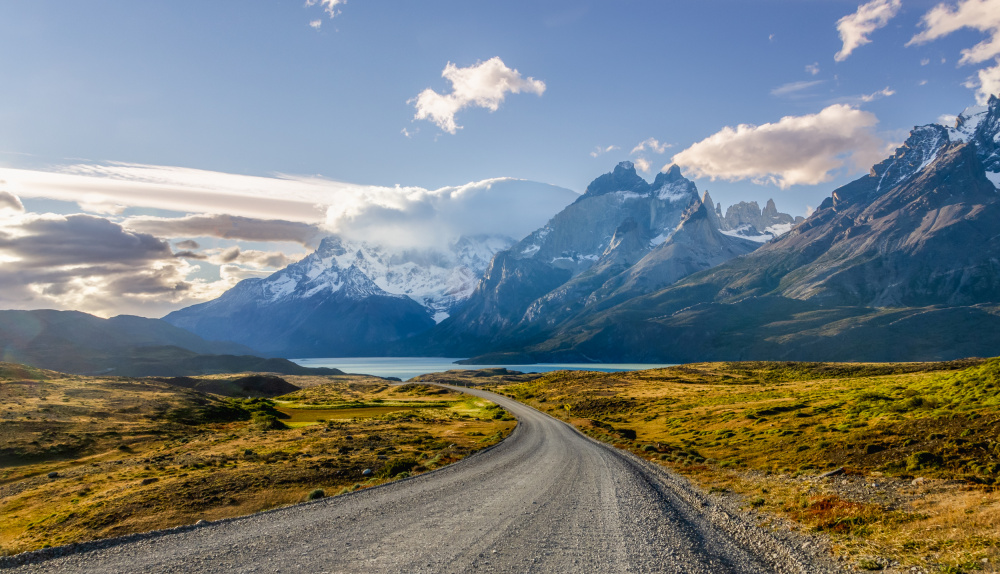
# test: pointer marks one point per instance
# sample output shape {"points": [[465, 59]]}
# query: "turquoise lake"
{"points": [[408, 367]]}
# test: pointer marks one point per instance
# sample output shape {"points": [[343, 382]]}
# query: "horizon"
{"points": [[225, 140]]}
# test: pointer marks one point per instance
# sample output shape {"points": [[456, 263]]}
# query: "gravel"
{"points": [[547, 499]]}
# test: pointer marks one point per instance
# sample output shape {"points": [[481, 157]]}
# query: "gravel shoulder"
{"points": [[546, 499]]}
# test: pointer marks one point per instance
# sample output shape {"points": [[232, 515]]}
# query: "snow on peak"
{"points": [[438, 280]]}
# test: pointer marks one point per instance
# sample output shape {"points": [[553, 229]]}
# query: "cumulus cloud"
{"points": [[812, 69], [10, 202], [316, 24], [417, 218], [987, 83], [227, 227], [651, 144], [329, 5], [855, 28], [794, 150], [794, 88], [642, 164], [485, 85], [598, 151]]}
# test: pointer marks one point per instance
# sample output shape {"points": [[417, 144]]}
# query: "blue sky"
{"points": [[259, 89]]}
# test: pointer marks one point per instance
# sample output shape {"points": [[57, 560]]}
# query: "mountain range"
{"points": [[900, 264]]}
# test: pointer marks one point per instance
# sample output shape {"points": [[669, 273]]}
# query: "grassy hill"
{"points": [[83, 458]]}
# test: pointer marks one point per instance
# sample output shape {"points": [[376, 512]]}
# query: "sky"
{"points": [[153, 154]]}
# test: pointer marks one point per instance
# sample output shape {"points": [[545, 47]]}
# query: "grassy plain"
{"points": [[83, 458], [913, 447]]}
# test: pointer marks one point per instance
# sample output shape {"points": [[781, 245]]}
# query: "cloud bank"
{"points": [[290, 208], [855, 28], [485, 85], [794, 150]]}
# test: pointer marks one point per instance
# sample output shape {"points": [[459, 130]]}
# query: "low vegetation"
{"points": [[84, 458], [898, 463]]}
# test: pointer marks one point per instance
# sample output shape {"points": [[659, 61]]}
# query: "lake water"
{"points": [[408, 367]]}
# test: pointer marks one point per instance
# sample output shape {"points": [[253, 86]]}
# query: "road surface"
{"points": [[547, 499]]}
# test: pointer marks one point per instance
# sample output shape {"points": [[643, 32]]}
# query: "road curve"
{"points": [[547, 499]]}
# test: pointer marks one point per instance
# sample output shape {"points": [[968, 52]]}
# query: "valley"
{"points": [[85, 458]]}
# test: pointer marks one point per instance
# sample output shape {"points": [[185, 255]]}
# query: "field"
{"points": [[898, 464], [84, 458]]}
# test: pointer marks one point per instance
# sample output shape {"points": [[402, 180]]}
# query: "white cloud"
{"points": [[883, 93], [484, 85], [418, 218], [794, 150], [922, 83], [316, 24], [793, 88], [947, 119], [982, 15], [987, 83], [240, 206], [642, 164], [651, 144], [813, 68], [329, 5], [855, 28], [598, 151], [925, 61]]}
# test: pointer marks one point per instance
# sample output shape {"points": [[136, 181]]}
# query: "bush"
{"points": [[316, 494], [398, 467], [923, 459], [261, 421]]}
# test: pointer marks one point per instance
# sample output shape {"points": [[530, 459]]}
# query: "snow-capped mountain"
{"points": [[583, 255], [902, 264], [747, 220], [344, 298]]}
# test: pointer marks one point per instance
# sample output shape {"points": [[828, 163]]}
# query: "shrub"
{"points": [[922, 459], [316, 494], [397, 467]]}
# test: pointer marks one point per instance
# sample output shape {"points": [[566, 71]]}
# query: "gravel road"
{"points": [[547, 499]]}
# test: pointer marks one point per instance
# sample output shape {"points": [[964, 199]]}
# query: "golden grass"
{"points": [[764, 431], [125, 464]]}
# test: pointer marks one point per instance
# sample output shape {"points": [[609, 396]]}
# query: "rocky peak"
{"points": [[672, 175], [917, 152], [623, 178], [713, 209]]}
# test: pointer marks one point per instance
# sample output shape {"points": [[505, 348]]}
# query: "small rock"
{"points": [[366, 472], [834, 472], [199, 523], [53, 474], [918, 481]]}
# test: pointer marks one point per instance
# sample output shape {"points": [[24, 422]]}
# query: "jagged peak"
{"points": [[623, 178], [671, 175]]}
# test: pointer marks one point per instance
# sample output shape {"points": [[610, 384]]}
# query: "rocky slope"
{"points": [[901, 264], [622, 237]]}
